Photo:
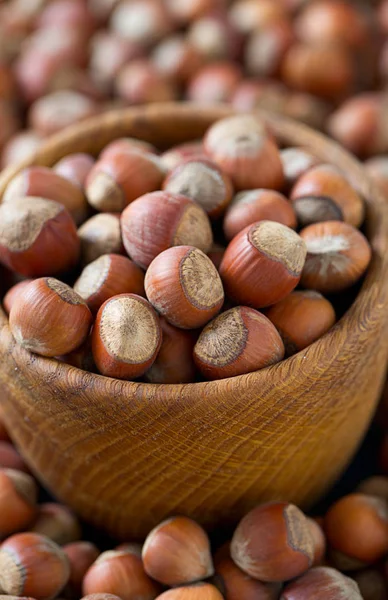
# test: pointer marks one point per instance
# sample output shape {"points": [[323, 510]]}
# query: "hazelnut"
{"points": [[143, 22], [107, 276], [184, 286], [101, 234], [304, 68], [75, 167], [176, 59], [198, 591], [10, 457], [296, 162], [215, 82], [128, 143], [17, 502], [262, 264], [20, 146], [108, 54], [332, 22], [139, 82], [252, 15], [66, 13], [301, 318], [160, 220], [121, 177], [273, 543], [357, 526], [202, 181], [120, 572], [372, 584], [267, 47], [238, 585], [252, 94], [50, 318], [13, 293], [126, 337], [179, 154], [57, 110], [174, 363], [245, 151], [57, 523], [251, 206], [322, 583], [324, 194], [191, 10], [238, 341], [359, 124], [177, 552], [45, 183], [215, 38], [101, 596], [37, 237], [32, 565], [337, 256], [374, 486], [81, 556]]}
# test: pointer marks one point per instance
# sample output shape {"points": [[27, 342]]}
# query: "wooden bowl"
{"points": [[126, 455]]}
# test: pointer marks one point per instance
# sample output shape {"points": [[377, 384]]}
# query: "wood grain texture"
{"points": [[126, 455]]}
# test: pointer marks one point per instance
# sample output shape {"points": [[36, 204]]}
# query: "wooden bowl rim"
{"points": [[377, 272]]}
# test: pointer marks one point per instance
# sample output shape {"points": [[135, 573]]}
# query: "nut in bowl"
{"points": [[128, 454]]}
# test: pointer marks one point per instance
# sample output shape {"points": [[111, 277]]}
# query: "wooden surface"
{"points": [[125, 455]]}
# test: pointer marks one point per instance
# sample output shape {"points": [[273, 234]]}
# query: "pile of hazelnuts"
{"points": [[155, 297], [275, 553], [324, 62]]}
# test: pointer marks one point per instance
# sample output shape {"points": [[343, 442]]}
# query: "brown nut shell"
{"points": [[322, 583], [75, 167], [37, 237], [337, 256], [50, 319], [184, 286], [81, 556], [273, 543], [126, 337], [262, 264], [198, 591], [18, 500], [57, 522], [101, 234], [238, 341], [160, 220], [238, 585]]}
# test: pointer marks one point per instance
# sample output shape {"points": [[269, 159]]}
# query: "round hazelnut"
{"points": [[32, 565], [262, 264], [43, 182], [122, 176], [273, 543], [190, 10], [213, 83], [176, 59], [301, 318], [81, 556], [37, 237], [266, 48], [50, 318], [251, 206], [109, 52], [238, 341], [357, 526], [126, 337], [324, 194], [75, 167], [184, 286], [56, 522], [197, 591], [139, 82], [20, 146], [179, 154], [174, 363], [17, 502], [252, 15], [238, 585], [107, 276], [337, 256], [120, 572], [296, 162], [202, 181], [177, 552], [101, 234], [143, 22], [245, 151], [319, 540], [160, 220], [128, 143], [322, 583], [304, 68], [215, 38]]}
